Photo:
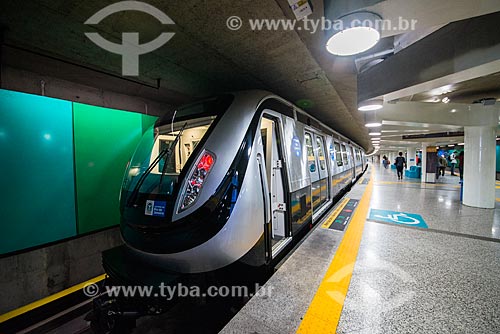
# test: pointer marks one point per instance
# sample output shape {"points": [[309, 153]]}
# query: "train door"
{"points": [[277, 229], [347, 164], [322, 167], [312, 166], [353, 160]]}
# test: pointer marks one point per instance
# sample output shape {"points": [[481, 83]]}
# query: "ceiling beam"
{"points": [[456, 47]]}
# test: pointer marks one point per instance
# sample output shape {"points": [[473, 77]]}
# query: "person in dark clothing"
{"points": [[461, 165], [385, 161], [442, 164], [400, 164]]}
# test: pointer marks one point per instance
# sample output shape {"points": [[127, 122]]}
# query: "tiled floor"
{"points": [[409, 280], [439, 204]]}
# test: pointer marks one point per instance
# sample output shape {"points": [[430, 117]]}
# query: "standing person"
{"points": [[453, 161], [400, 164], [461, 165], [442, 163], [384, 161]]}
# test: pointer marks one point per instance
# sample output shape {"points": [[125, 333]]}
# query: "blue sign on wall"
{"points": [[396, 217]]}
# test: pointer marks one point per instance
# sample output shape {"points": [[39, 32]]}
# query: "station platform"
{"points": [[412, 259]]}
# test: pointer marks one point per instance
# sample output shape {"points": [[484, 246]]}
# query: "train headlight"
{"points": [[197, 178]]}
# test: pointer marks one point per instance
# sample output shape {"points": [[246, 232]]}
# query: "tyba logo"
{"points": [[130, 49]]}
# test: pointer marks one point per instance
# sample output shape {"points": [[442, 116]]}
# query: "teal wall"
{"points": [[104, 142], [498, 158], [62, 165]]}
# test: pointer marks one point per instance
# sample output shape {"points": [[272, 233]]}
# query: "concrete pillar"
{"points": [[424, 162], [479, 166], [411, 155]]}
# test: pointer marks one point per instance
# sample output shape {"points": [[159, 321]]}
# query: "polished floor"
{"points": [[438, 203], [442, 279], [445, 279]]}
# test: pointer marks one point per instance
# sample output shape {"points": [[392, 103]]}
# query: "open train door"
{"points": [[277, 229]]}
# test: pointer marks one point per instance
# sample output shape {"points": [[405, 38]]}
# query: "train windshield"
{"points": [[165, 150]]}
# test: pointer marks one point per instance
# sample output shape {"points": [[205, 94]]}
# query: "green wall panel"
{"points": [[105, 140], [498, 158], [37, 204]]}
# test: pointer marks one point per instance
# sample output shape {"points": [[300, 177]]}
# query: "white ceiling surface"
{"points": [[413, 117], [400, 118], [430, 13], [406, 118]]}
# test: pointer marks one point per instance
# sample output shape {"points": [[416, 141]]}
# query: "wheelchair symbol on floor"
{"points": [[401, 218], [395, 217]]}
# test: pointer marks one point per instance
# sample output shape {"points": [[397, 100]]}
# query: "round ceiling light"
{"points": [[370, 105], [373, 125], [352, 41], [357, 33]]}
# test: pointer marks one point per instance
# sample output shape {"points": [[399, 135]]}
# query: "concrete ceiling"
{"points": [[205, 57]]}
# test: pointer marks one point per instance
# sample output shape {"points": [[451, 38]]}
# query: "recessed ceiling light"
{"points": [[373, 125], [370, 105], [374, 133], [446, 99], [352, 41], [355, 34], [453, 110]]}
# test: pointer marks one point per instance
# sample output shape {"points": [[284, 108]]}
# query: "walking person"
{"points": [[385, 161], [400, 164], [461, 165], [442, 164], [453, 161]]}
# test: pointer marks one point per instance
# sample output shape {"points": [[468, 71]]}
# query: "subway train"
{"points": [[231, 178]]}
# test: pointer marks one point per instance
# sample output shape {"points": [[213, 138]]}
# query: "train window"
{"points": [[193, 131], [344, 155], [338, 154], [310, 152], [321, 154], [160, 159]]}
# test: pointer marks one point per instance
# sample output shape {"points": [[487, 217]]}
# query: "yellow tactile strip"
{"points": [[325, 309], [329, 221], [51, 298]]}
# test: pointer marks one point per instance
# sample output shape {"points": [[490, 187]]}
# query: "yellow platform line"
{"points": [[324, 312], [335, 213], [51, 298]]}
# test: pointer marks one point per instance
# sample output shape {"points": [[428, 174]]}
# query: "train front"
{"points": [[181, 188]]}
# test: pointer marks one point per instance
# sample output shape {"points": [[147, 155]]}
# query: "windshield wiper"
{"points": [[167, 152]]}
